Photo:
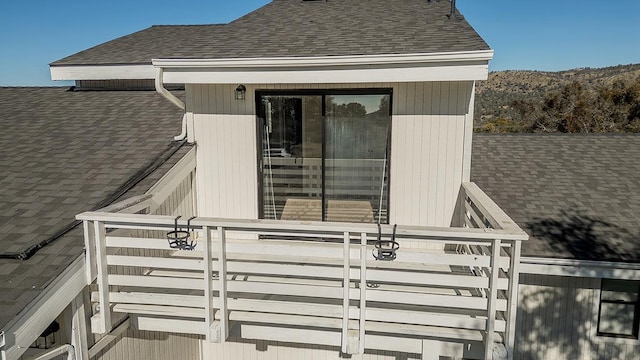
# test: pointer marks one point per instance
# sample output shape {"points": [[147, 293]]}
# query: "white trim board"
{"points": [[102, 72], [448, 66], [25, 328], [453, 66], [371, 74], [580, 268]]}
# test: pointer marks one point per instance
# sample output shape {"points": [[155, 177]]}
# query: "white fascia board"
{"points": [[102, 72], [458, 66], [322, 61], [25, 328], [580, 268]]}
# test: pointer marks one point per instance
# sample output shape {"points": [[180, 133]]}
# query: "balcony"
{"points": [[449, 290]]}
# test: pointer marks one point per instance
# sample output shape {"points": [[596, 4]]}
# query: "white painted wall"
{"points": [[428, 129], [146, 345], [557, 317], [272, 350]]}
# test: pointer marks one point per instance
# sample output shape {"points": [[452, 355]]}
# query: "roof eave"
{"points": [[328, 61], [102, 72], [445, 66], [451, 66]]}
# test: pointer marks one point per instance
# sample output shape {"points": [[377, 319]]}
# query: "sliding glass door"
{"points": [[325, 156]]}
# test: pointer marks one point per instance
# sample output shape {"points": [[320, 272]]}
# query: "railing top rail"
{"points": [[264, 225], [126, 203], [491, 210]]}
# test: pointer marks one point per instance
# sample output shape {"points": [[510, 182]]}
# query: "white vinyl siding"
{"points": [[148, 345], [557, 319], [428, 123], [273, 350]]}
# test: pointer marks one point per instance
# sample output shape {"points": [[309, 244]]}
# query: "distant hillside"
{"points": [[509, 99]]}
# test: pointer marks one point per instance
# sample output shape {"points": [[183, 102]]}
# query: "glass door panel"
{"points": [[356, 154], [292, 157]]}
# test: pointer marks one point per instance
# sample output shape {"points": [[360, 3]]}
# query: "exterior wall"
{"points": [[269, 350], [145, 345], [557, 317], [180, 201], [428, 129]]}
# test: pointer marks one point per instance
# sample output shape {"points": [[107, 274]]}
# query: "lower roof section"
{"points": [[576, 195]]}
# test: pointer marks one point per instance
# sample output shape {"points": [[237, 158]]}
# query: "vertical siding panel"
{"points": [[427, 123], [442, 148], [418, 139], [450, 152], [433, 154], [411, 207]]}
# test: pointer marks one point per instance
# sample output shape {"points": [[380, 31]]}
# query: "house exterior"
{"points": [[273, 111], [286, 245]]}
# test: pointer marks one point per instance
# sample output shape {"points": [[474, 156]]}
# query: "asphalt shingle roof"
{"points": [[291, 28], [61, 153], [578, 196]]}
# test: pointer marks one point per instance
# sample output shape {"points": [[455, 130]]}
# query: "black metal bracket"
{"points": [[179, 238], [386, 249]]}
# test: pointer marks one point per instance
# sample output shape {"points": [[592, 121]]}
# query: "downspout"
{"points": [[159, 84]]}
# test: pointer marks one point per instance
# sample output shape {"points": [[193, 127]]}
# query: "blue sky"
{"points": [[525, 34]]}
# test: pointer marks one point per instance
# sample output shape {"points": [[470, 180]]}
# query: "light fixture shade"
{"points": [[241, 92]]}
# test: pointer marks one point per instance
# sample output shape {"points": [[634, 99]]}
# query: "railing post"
{"points": [[89, 251], [104, 324], [222, 281], [208, 284], [514, 279], [363, 289], [493, 297]]}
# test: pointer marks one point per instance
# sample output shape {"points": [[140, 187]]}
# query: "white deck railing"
{"points": [[312, 282]]}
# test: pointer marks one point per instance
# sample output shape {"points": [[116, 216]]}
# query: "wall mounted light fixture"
{"points": [[241, 92]]}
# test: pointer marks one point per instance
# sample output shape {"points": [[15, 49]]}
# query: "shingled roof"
{"points": [[578, 196], [61, 153], [295, 28]]}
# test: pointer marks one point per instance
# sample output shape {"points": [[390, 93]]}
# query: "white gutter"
{"points": [[580, 268], [352, 69], [330, 61], [159, 84]]}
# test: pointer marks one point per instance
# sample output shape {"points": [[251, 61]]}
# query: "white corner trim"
{"points": [[25, 328], [102, 72], [1, 339], [580, 268], [328, 61]]}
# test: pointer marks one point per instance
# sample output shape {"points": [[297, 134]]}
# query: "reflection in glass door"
{"points": [[325, 157]]}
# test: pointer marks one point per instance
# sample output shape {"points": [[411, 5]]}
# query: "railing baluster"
{"points": [[493, 297], [103, 276], [208, 282], [363, 288], [222, 279], [514, 278], [345, 298]]}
